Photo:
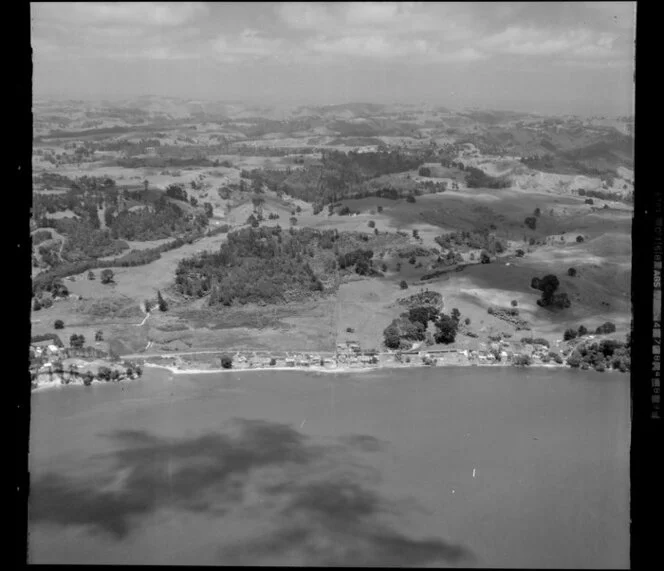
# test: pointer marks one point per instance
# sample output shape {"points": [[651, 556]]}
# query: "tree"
{"points": [[583, 330], [104, 373], [410, 198], [36, 305], [456, 314], [392, 339], [59, 324], [531, 222], [520, 253], [372, 224], [570, 334], [446, 329], [606, 328], [226, 362], [59, 290], [579, 239], [88, 377], [91, 275], [416, 234], [107, 276], [99, 335], [423, 314], [485, 258], [76, 341], [571, 272], [379, 209], [467, 321], [293, 220], [362, 267], [424, 171], [403, 284], [537, 212], [521, 360], [575, 359], [177, 192], [161, 302], [549, 282]]}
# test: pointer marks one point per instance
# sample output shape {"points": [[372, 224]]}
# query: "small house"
{"points": [[353, 346]]}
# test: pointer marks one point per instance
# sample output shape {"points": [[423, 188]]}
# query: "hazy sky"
{"points": [[570, 57]]}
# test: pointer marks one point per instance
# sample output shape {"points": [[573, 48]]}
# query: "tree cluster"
{"points": [[359, 258], [263, 264], [477, 178], [84, 241], [76, 341], [471, 239], [162, 219], [608, 353], [531, 222], [411, 326], [549, 285]]}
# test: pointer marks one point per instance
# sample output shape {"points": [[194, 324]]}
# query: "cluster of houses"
{"points": [[48, 350], [350, 353], [253, 360]]}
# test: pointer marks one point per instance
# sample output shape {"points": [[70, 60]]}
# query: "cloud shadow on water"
{"points": [[322, 506], [339, 521]]}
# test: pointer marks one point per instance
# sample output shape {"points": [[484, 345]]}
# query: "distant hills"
{"points": [[576, 144]]}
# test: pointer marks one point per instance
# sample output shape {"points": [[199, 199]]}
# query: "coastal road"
{"points": [[215, 351], [174, 354]]}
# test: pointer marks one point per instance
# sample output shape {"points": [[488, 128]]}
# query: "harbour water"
{"points": [[427, 467]]}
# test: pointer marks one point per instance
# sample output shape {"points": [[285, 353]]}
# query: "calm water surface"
{"points": [[426, 467]]}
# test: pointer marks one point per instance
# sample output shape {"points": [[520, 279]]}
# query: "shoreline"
{"points": [[345, 370], [56, 382]]}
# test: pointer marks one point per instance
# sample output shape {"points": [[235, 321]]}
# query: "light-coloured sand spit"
{"points": [[342, 370], [181, 371]]}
